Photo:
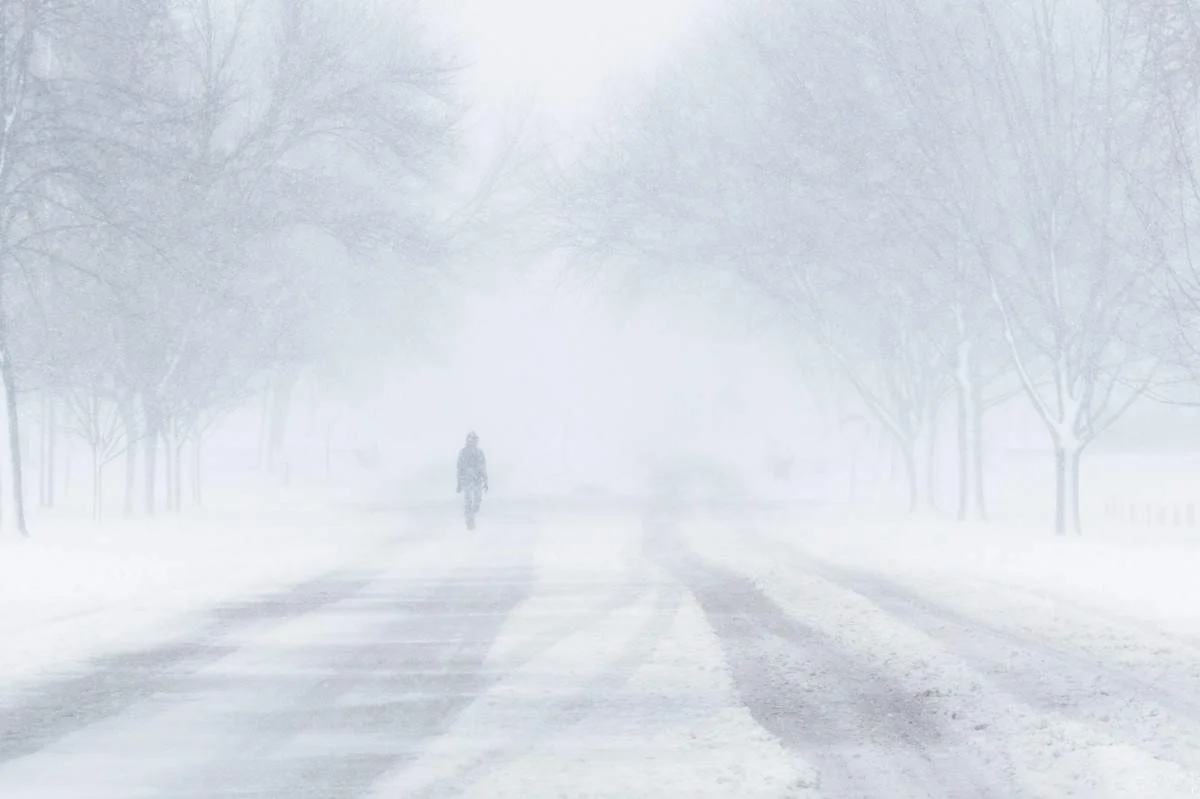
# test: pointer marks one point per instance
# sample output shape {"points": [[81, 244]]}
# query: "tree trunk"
{"points": [[965, 455], [129, 422], [177, 467], [931, 463], [172, 475], [169, 477], [1066, 474], [151, 434], [896, 456], [1074, 492], [264, 425], [43, 448], [26, 447], [196, 474], [14, 432], [51, 452], [67, 468], [977, 411], [970, 414], [169, 473], [97, 483], [909, 456]]}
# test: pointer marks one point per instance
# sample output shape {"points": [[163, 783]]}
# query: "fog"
{"points": [[576, 389], [803, 246], [731, 234], [559, 398]]}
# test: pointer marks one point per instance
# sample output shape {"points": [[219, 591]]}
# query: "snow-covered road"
{"points": [[619, 656]]}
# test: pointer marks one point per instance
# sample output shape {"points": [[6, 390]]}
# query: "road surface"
{"points": [[604, 657]]}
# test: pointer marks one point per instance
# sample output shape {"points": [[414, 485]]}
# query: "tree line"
{"points": [[196, 196], [948, 200]]}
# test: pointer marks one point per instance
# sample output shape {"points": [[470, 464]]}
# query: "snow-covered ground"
{"points": [[1071, 664], [1147, 577], [75, 589], [557, 653], [546, 657], [610, 683]]}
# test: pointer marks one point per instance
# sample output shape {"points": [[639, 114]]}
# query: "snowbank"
{"points": [[1050, 660], [75, 590], [1147, 577]]}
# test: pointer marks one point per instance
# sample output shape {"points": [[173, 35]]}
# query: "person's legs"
{"points": [[471, 501]]}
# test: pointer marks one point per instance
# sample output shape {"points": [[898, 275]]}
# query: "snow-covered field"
{"points": [[1148, 577], [1070, 664], [74, 589]]}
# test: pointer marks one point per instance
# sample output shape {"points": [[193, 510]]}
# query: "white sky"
{"points": [[568, 54]]}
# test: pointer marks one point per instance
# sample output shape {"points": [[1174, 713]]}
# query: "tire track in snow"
{"points": [[566, 711], [573, 708], [1157, 716], [383, 698], [621, 596], [1127, 641], [862, 731], [378, 701], [48, 710], [320, 703], [51, 710]]}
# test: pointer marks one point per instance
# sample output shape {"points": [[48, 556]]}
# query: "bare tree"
{"points": [[98, 423], [828, 155], [1168, 193], [238, 125], [1062, 242], [773, 160], [154, 162], [31, 127]]}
